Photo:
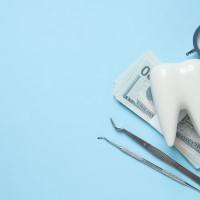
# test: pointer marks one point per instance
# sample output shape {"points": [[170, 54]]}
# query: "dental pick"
{"points": [[157, 153], [149, 164]]}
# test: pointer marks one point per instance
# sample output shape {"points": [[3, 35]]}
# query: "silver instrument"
{"points": [[150, 164], [157, 153]]}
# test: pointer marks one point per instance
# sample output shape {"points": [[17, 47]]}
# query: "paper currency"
{"points": [[132, 89]]}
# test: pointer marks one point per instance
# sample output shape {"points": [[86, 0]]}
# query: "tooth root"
{"points": [[168, 118], [167, 107]]}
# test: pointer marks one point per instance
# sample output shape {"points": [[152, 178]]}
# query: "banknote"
{"points": [[132, 89]]}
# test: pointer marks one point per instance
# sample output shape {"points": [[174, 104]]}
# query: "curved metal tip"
{"points": [[112, 143], [115, 127], [101, 138]]}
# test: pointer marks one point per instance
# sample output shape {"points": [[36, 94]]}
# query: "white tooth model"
{"points": [[175, 87]]}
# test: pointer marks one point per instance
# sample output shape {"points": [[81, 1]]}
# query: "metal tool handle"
{"points": [[190, 52], [161, 155], [153, 166], [164, 157], [149, 164]]}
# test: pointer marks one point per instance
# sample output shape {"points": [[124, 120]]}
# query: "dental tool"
{"points": [[150, 164], [196, 42], [157, 153]]}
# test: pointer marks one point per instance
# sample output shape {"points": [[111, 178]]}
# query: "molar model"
{"points": [[176, 87]]}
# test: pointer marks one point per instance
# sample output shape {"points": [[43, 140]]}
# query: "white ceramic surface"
{"points": [[175, 87]]}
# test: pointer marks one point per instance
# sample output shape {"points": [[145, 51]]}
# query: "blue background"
{"points": [[58, 61]]}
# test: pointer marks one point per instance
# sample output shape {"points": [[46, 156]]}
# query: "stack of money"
{"points": [[132, 89]]}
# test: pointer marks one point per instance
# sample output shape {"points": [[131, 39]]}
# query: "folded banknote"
{"points": [[132, 89]]}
